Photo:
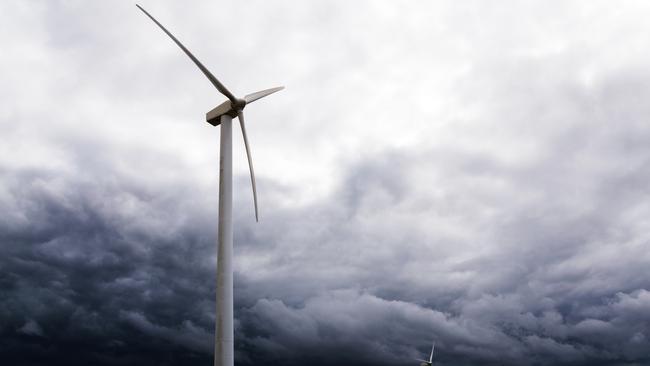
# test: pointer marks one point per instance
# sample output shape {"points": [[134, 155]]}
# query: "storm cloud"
{"points": [[470, 174]]}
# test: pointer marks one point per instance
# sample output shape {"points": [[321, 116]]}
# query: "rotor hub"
{"points": [[238, 104]]}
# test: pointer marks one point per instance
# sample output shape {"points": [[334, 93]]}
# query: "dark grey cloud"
{"points": [[88, 268], [124, 269]]}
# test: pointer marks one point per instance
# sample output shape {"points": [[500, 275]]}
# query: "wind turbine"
{"points": [[425, 362], [223, 115]]}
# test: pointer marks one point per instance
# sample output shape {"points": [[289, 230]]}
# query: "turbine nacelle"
{"points": [[214, 116], [234, 108], [228, 107]]}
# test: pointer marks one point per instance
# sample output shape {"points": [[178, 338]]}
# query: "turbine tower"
{"points": [[223, 115]]}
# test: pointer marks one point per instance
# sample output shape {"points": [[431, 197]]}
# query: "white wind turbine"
{"points": [[223, 115], [425, 362]]}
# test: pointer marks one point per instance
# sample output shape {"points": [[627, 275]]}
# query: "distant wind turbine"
{"points": [[425, 362], [223, 115]]}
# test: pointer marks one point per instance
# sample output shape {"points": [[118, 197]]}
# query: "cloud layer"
{"points": [[467, 174]]}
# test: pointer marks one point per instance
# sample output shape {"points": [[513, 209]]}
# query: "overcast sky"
{"points": [[467, 172]]}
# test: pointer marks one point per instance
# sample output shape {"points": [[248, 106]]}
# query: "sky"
{"points": [[470, 173]]}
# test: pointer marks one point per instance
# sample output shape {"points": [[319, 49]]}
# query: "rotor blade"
{"points": [[261, 94], [240, 115], [432, 348], [217, 84], [418, 359]]}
